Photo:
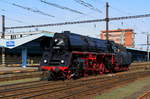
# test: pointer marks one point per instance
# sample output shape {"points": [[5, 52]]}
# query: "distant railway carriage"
{"points": [[71, 55]]}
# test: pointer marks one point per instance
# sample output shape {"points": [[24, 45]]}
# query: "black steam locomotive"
{"points": [[70, 55]]}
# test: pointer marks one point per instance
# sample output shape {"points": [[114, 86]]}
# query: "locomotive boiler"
{"points": [[71, 55]]}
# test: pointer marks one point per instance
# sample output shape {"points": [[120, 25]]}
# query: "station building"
{"points": [[23, 48]]}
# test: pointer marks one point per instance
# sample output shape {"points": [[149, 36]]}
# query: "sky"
{"points": [[16, 16]]}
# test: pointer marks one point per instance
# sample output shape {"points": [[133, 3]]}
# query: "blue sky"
{"points": [[117, 8]]}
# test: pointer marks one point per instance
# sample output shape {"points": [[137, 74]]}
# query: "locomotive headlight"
{"points": [[45, 61], [56, 40], [62, 61]]}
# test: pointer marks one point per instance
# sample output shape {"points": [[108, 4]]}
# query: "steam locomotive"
{"points": [[69, 55]]}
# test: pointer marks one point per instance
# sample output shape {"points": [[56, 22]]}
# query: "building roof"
{"points": [[118, 30], [134, 49], [12, 43]]}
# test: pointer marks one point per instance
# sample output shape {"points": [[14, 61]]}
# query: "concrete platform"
{"points": [[11, 70]]}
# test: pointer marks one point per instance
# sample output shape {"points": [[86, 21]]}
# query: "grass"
{"points": [[126, 90]]}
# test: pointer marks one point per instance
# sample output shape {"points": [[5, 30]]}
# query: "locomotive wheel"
{"points": [[107, 63], [101, 68], [74, 76], [68, 76], [50, 76]]}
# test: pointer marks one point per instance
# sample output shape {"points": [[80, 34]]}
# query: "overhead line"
{"points": [[61, 7], [121, 11], [33, 10], [80, 22], [27, 8], [57, 24], [81, 2], [2, 9], [129, 17]]}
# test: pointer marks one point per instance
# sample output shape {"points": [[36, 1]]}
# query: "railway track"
{"points": [[71, 88], [39, 74], [24, 75], [139, 66], [17, 76], [140, 63], [88, 87], [145, 96]]}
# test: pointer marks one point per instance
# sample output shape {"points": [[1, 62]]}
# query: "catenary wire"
{"points": [[62, 7], [28, 8], [81, 2], [81, 22]]}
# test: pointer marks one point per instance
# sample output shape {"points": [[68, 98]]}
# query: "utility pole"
{"points": [[3, 36], [107, 21], [148, 43]]}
